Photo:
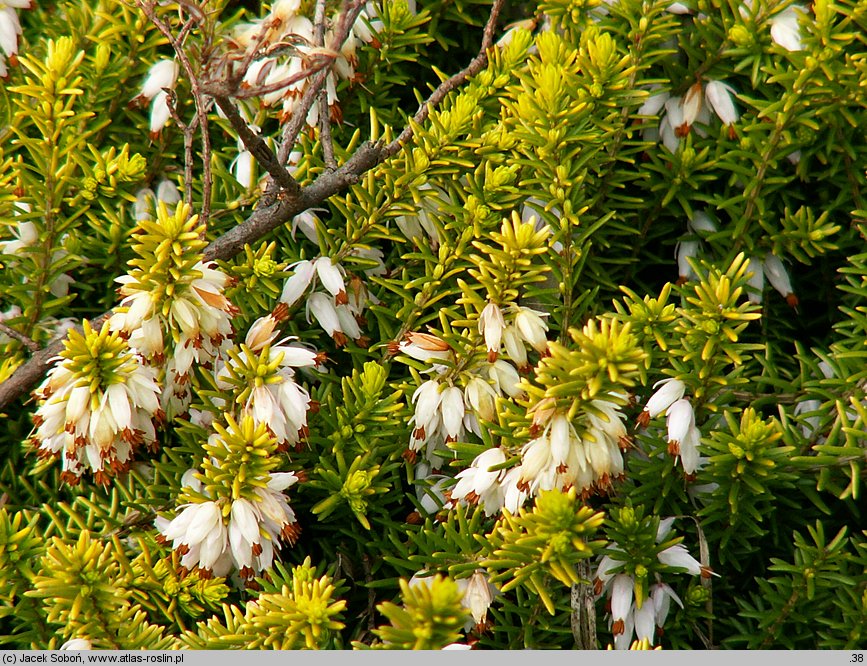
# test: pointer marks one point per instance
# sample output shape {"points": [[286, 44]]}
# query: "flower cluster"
{"points": [[283, 48], [513, 331], [561, 458], [445, 411], [683, 435], [772, 269], [99, 402], [682, 113], [238, 513], [632, 608], [336, 310], [260, 376], [173, 311], [493, 490]]}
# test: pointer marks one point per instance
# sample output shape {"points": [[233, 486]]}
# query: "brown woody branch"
{"points": [[23, 339]]}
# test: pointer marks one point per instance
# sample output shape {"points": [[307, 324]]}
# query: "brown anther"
{"points": [[792, 300], [682, 130], [410, 456], [340, 338], [291, 532], [205, 574], [182, 549], [302, 476], [618, 627], [643, 419], [313, 407], [674, 448], [341, 298], [419, 433], [625, 442], [246, 573], [280, 312], [492, 356], [256, 549], [70, 478], [101, 478], [414, 518]]}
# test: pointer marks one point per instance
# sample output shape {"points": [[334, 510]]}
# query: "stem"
{"points": [[322, 99], [349, 12], [199, 99], [583, 619], [23, 339]]}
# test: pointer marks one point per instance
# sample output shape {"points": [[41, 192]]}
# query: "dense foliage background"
{"points": [[579, 357]]}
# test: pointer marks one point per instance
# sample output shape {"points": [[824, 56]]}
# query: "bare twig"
{"points": [[257, 146], [224, 89], [171, 102], [325, 133], [284, 207], [349, 12], [267, 218], [23, 339], [322, 100], [198, 97], [252, 51]]}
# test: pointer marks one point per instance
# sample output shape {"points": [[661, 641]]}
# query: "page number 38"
{"points": [[857, 658]]}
